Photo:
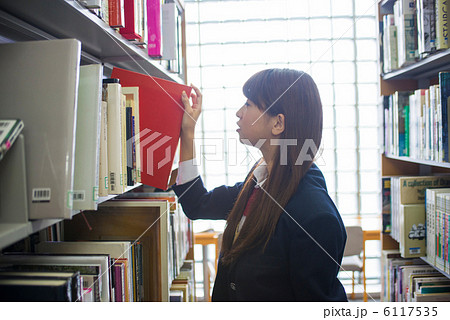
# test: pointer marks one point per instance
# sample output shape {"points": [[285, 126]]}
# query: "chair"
{"points": [[352, 260]]}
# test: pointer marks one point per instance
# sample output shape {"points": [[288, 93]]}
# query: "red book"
{"points": [[132, 21], [160, 114], [116, 13]]}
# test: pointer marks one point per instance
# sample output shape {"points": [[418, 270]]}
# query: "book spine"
{"points": [[123, 126], [115, 13], [441, 24], [444, 86], [154, 28], [129, 31], [129, 146], [103, 161]]}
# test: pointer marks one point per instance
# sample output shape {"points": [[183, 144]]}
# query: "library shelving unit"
{"points": [[419, 75], [30, 20]]}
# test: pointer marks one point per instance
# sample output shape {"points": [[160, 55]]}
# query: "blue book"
{"points": [[444, 88]]}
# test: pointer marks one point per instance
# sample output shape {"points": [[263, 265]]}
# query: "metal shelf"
{"points": [[441, 271], [50, 19], [424, 162], [423, 69]]}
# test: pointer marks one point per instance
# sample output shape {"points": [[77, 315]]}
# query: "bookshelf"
{"points": [[100, 44], [419, 75]]}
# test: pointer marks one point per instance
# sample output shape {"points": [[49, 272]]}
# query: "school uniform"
{"points": [[302, 258]]}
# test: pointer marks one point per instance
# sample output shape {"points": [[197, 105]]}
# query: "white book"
{"points": [[39, 84], [169, 31], [103, 160], [102, 261], [86, 176], [123, 126], [114, 98], [115, 249]]}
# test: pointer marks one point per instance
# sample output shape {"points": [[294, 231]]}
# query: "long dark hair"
{"points": [[295, 95]]}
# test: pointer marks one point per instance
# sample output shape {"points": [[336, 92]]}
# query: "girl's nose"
{"points": [[239, 113]]}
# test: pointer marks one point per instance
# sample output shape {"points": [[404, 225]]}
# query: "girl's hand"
{"points": [[191, 112]]}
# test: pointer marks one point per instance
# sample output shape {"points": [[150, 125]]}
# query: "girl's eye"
{"points": [[247, 104]]}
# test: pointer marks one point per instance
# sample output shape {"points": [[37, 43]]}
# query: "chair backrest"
{"points": [[354, 245]]}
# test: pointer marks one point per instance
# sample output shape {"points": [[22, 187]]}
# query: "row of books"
{"points": [[182, 288], [419, 214], [154, 25], [411, 280], [65, 120], [180, 229], [416, 123], [413, 31], [93, 271]]}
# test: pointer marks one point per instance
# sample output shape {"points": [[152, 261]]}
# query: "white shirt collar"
{"points": [[260, 174]]}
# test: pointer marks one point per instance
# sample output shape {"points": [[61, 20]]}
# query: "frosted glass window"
{"points": [[317, 9], [346, 160], [346, 138], [344, 94], [321, 50], [367, 114], [347, 203], [345, 116], [343, 50], [365, 27], [334, 41], [366, 49], [298, 29], [368, 137], [370, 204], [342, 28], [369, 181], [341, 7], [344, 72], [370, 159], [367, 72]]}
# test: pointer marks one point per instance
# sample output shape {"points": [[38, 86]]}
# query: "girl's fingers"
{"points": [[198, 93], [185, 100]]}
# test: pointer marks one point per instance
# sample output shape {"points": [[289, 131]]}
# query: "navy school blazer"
{"points": [[301, 260]]}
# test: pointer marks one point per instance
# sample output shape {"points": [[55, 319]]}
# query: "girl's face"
{"points": [[253, 124]]}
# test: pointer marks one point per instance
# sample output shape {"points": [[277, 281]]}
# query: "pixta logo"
{"points": [[148, 142]]}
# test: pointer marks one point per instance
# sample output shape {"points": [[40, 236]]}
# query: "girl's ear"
{"points": [[278, 126]]}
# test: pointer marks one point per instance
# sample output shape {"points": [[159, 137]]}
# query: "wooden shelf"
{"points": [[50, 19], [441, 271]]}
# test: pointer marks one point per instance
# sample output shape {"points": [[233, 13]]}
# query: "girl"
{"points": [[284, 237]]}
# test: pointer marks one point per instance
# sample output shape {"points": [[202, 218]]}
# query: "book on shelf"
{"points": [[9, 131], [412, 230], [87, 147], [160, 115], [416, 124], [431, 201], [123, 126], [154, 45], [93, 268], [115, 249], [133, 20], [390, 53], [426, 27], [405, 20], [132, 100], [116, 13], [406, 273], [113, 97], [411, 190], [35, 290], [441, 24], [386, 204], [103, 183], [73, 278], [28, 70]]}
